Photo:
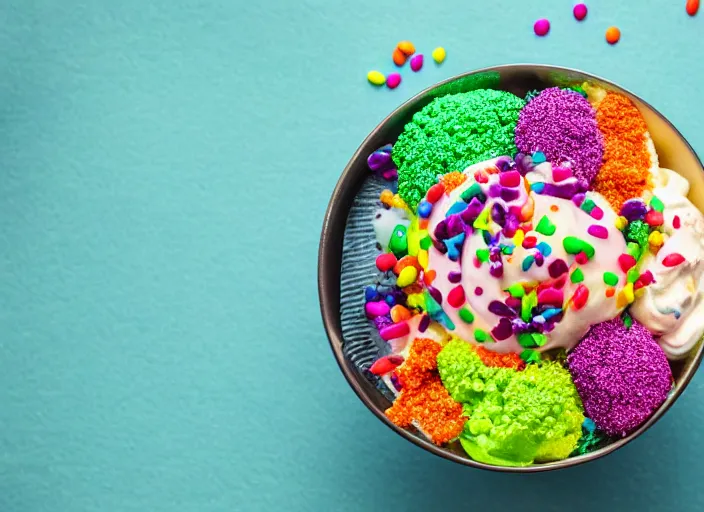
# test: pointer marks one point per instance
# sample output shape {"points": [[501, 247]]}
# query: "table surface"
{"points": [[165, 169]]}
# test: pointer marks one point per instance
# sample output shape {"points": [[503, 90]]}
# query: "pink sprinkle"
{"points": [[510, 179], [676, 222], [394, 331], [478, 290], [673, 259], [580, 12], [597, 213], [393, 80], [541, 27], [551, 296], [476, 262], [377, 308], [456, 297], [598, 231], [417, 62], [581, 258], [561, 174]]}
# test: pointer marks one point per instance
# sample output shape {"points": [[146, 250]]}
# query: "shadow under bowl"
{"points": [[674, 153]]}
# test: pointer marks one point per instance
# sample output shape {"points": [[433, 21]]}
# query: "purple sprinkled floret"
{"points": [[622, 376]]}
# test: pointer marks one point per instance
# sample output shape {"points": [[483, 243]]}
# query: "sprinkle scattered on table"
{"points": [[439, 54], [541, 27], [393, 80], [376, 78], [613, 35], [692, 7], [580, 12]]}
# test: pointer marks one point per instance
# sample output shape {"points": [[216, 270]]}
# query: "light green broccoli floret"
{"points": [[515, 418], [452, 133]]}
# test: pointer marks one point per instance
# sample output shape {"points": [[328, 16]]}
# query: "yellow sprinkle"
{"points": [[423, 258], [413, 237], [691, 285], [387, 197], [407, 277], [518, 238], [439, 54], [376, 78], [655, 239], [397, 202], [415, 300], [628, 292], [621, 223], [639, 293]]}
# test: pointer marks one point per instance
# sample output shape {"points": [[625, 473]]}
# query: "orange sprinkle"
{"points": [[424, 399], [490, 358], [429, 276], [554, 208], [452, 180], [610, 292], [406, 261], [625, 170]]}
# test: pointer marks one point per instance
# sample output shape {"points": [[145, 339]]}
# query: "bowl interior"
{"points": [[674, 153]]}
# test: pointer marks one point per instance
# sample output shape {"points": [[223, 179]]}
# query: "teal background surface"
{"points": [[165, 166]]}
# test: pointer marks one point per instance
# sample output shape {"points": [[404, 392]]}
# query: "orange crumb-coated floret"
{"points": [[420, 363], [431, 406], [625, 171], [509, 360], [452, 180]]}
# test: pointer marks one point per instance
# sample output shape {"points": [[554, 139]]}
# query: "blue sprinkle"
{"points": [[544, 249], [549, 313], [424, 209], [589, 425], [539, 319], [527, 262], [390, 300], [370, 294], [539, 157], [445, 320], [458, 207], [454, 245], [537, 187]]}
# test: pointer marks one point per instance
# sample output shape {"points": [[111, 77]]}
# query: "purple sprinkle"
{"points": [[633, 209], [539, 259], [501, 309], [441, 230], [455, 226], [557, 268], [435, 294], [496, 269], [509, 194], [524, 163], [578, 199], [622, 375], [396, 382], [495, 190], [382, 321], [562, 125], [494, 254], [519, 326], [380, 159], [498, 214], [454, 277], [424, 323], [441, 247], [503, 163], [514, 303], [511, 225], [566, 191], [582, 185], [474, 208], [503, 330]]}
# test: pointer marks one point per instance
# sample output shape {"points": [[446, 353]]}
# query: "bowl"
{"points": [[674, 153]]}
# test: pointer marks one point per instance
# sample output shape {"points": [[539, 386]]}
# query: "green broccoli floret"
{"points": [[638, 232], [516, 418], [452, 133]]}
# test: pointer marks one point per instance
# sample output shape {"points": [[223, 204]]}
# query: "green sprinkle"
{"points": [[426, 242], [507, 249], [530, 356], [399, 242], [474, 191], [656, 204], [466, 315], [526, 340], [627, 320], [527, 262], [545, 227], [578, 90], [516, 290], [539, 338], [574, 245], [588, 205], [451, 133], [632, 275], [633, 249], [431, 305], [610, 278], [483, 255], [480, 335], [528, 302], [577, 276]]}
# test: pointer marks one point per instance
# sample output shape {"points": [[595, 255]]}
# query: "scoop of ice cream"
{"points": [[452, 132], [621, 374], [516, 418], [672, 307], [521, 265]]}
